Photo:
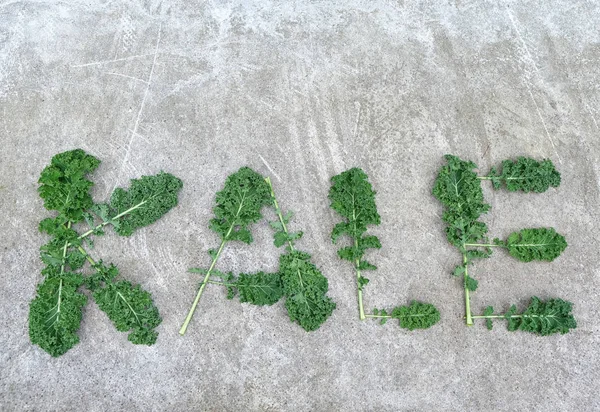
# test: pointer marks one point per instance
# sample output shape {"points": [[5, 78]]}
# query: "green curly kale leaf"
{"points": [[282, 236], [146, 201], [304, 286], [458, 188], [535, 244], [63, 184], [239, 204], [526, 174], [259, 288], [417, 315], [540, 317], [305, 289], [55, 313], [131, 309], [353, 197]]}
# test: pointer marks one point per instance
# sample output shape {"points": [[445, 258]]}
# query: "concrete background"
{"points": [[300, 91]]}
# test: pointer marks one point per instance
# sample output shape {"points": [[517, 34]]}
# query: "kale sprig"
{"points": [[458, 188], [304, 286], [56, 312], [352, 196], [239, 205]]}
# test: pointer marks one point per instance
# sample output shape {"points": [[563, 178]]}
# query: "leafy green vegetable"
{"points": [[458, 188], [540, 317], [56, 311], [239, 205], [259, 288], [304, 287], [352, 196], [146, 201], [525, 174], [417, 315], [63, 185], [130, 309], [535, 244], [55, 314]]}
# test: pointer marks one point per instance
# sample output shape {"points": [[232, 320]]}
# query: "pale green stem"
{"points": [[467, 297], [101, 225], [202, 286], [87, 256], [377, 316], [64, 256], [482, 245], [214, 282], [278, 211], [212, 266], [504, 316]]}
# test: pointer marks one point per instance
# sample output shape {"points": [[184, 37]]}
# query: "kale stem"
{"points": [[214, 282], [467, 297], [377, 316], [361, 309], [212, 266], [484, 177], [120, 215], [64, 256], [203, 285], [87, 256], [278, 211], [482, 245]]}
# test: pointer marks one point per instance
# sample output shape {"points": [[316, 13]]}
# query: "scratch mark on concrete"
{"points": [[112, 61], [544, 124], [269, 167], [357, 120], [586, 106], [528, 83], [128, 77], [531, 60], [139, 115], [505, 108], [140, 135]]}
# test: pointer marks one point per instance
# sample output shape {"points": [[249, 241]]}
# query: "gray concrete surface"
{"points": [[301, 91]]}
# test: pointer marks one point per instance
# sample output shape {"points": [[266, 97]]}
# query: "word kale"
{"points": [[55, 313], [239, 205], [353, 198], [458, 188]]}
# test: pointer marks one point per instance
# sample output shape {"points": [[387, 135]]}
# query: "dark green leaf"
{"points": [[146, 201], [239, 204], [458, 271], [527, 175], [63, 184], [543, 317], [259, 288], [131, 310], [536, 244], [471, 283], [362, 281], [55, 314], [488, 311], [417, 315], [305, 290]]}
